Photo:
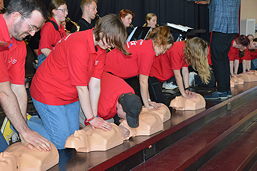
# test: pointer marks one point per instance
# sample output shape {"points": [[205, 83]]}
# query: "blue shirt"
{"points": [[224, 16]]}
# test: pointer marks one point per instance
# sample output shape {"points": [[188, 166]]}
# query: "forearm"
{"points": [[84, 99], [94, 92], [11, 107], [185, 74], [46, 51], [179, 81], [143, 80], [21, 95]]}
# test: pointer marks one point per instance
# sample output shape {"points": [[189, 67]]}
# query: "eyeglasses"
{"points": [[31, 27], [63, 10]]}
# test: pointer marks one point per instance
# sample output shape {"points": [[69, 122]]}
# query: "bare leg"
{"points": [[236, 65]]}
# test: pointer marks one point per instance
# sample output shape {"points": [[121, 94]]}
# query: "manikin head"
{"points": [[91, 139], [126, 17], [58, 10], [110, 32], [151, 20], [89, 9], [162, 39], [193, 103], [129, 107], [24, 17]]}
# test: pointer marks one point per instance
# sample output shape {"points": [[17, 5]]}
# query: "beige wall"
{"points": [[249, 10]]}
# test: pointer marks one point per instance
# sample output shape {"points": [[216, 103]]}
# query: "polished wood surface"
{"points": [[71, 160]]}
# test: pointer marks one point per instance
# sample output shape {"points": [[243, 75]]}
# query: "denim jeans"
{"points": [[3, 143], [57, 122], [254, 64], [41, 58]]}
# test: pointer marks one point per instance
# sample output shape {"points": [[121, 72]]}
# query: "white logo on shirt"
{"points": [[12, 61], [96, 62], [134, 43]]}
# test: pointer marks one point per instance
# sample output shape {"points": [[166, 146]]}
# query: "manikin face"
{"points": [[60, 13], [23, 27], [152, 22], [127, 20], [91, 10]]}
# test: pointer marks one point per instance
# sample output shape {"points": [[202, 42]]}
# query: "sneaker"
{"points": [[7, 131], [218, 95], [169, 86]]}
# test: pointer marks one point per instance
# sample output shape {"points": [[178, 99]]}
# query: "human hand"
{"points": [[202, 2], [35, 141], [155, 105], [98, 122]]}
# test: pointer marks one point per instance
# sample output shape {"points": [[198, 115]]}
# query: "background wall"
{"points": [[249, 10]]}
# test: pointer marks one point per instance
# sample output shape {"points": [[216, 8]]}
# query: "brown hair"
{"points": [[243, 40], [161, 36], [54, 4], [196, 52], [111, 27], [148, 17], [86, 2], [124, 12]]}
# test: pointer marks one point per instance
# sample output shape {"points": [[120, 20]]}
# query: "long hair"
{"points": [[161, 36], [148, 17], [55, 4], [196, 52], [112, 29]]}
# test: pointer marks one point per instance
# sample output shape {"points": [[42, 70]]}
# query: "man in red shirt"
{"points": [[22, 18], [117, 97], [70, 78]]}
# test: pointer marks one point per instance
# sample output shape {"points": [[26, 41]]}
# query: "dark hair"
{"points": [[54, 4], [124, 12], [243, 40], [111, 28], [26, 7]]}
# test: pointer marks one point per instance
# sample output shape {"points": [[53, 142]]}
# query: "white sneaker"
{"points": [[169, 86], [192, 79]]}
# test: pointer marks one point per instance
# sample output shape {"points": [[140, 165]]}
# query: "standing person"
{"points": [[135, 68], [53, 30], [151, 20], [70, 78], [223, 23], [89, 11], [22, 18]]}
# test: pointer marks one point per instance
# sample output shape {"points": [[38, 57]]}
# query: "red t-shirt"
{"points": [[253, 54], [5, 40], [247, 55], [49, 36], [111, 89], [161, 68], [176, 55], [72, 63], [12, 63], [233, 53], [139, 62]]}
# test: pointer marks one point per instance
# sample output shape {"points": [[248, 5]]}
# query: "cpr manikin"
{"points": [[194, 103], [248, 76], [90, 139], [162, 111], [149, 123], [235, 80], [22, 158]]}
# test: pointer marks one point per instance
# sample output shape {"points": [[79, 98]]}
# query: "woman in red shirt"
{"points": [[135, 68], [53, 30]]}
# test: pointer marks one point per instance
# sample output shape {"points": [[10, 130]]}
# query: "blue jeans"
{"points": [[3, 143], [254, 64], [57, 123], [41, 58]]}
